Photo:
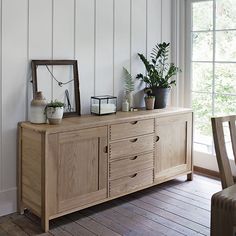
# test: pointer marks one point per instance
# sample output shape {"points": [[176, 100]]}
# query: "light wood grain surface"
{"points": [[88, 160]]}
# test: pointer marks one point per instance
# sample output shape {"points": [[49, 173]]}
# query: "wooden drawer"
{"points": [[129, 165], [130, 129], [131, 182], [132, 146]]}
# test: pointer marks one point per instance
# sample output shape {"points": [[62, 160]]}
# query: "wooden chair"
{"points": [[223, 203], [220, 147]]}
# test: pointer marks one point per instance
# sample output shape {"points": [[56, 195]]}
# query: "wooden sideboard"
{"points": [[88, 160]]}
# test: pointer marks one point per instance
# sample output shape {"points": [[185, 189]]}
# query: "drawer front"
{"points": [[129, 165], [130, 129], [131, 182], [132, 146]]}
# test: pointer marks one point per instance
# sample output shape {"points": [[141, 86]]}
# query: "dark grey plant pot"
{"points": [[161, 97]]}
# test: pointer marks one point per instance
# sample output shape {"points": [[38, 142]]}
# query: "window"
{"points": [[213, 66]]}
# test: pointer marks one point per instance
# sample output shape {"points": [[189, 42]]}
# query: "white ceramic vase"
{"points": [[54, 115], [130, 97], [37, 109]]}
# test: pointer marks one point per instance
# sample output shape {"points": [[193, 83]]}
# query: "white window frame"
{"points": [[204, 160]]}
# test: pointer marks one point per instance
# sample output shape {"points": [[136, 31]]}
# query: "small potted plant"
{"points": [[54, 112], [149, 99], [159, 73]]}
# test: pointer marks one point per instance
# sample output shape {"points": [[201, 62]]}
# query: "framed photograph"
{"points": [[58, 80]]}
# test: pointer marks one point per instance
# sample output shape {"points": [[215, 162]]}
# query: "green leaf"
{"points": [[129, 81], [158, 70]]}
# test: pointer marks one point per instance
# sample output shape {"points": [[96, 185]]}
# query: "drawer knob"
{"points": [[105, 149], [134, 175], [157, 138], [133, 158], [134, 122], [133, 140]]}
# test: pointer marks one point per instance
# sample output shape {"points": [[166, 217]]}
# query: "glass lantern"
{"points": [[103, 105]]}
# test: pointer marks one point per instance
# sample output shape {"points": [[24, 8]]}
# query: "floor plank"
{"points": [[158, 218], [177, 207], [171, 216], [160, 228], [91, 225], [102, 219], [131, 223]]}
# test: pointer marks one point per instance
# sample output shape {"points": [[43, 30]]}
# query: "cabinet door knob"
{"points": [[134, 122], [106, 149], [157, 138], [133, 158], [134, 175], [133, 140]]}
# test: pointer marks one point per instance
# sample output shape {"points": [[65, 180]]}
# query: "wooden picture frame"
{"points": [[36, 63]]}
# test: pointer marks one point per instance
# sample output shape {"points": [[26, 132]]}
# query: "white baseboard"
{"points": [[8, 203]]}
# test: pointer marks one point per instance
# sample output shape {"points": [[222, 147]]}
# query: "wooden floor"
{"points": [[174, 208]]}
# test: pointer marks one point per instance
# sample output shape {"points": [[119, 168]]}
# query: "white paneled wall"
{"points": [[103, 35]]}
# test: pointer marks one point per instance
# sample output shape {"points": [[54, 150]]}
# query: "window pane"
{"points": [[226, 46], [225, 14], [203, 141], [203, 147], [202, 106], [225, 78], [202, 76], [202, 15], [225, 105], [202, 46], [227, 138], [228, 142]]}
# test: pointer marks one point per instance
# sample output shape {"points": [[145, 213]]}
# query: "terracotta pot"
{"points": [[54, 115], [149, 101]]}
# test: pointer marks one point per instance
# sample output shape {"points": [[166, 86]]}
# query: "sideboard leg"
{"points": [[190, 177], [20, 209], [45, 224]]}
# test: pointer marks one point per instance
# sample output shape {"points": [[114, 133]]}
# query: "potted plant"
{"points": [[149, 99], [149, 102], [54, 112], [159, 73]]}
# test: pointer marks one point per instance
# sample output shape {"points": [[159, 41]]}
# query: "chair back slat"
{"points": [[232, 129], [221, 153]]}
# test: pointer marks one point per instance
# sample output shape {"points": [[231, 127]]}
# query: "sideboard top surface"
{"points": [[87, 121]]}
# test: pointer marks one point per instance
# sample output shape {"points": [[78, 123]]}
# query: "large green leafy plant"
{"points": [[159, 70]]}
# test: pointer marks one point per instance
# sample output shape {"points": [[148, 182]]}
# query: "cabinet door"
{"points": [[173, 154], [82, 172]]}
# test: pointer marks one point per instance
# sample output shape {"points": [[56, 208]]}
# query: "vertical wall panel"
{"points": [[121, 46], [63, 48], [166, 20], [103, 35], [104, 47], [40, 39], [166, 28], [1, 166], [154, 21], [138, 44], [14, 66], [63, 29], [85, 35]]}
